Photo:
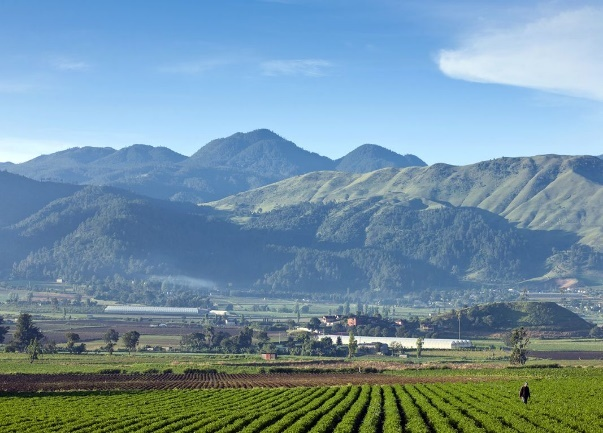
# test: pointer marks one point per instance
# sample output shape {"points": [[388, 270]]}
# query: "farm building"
{"points": [[407, 343], [161, 311], [269, 356]]}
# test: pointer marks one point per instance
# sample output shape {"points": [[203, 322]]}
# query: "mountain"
{"points": [[370, 157], [221, 168], [69, 166], [22, 196], [262, 152], [380, 235], [140, 155], [548, 192]]}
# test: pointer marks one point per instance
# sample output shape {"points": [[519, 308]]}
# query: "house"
{"points": [[330, 320], [426, 328], [268, 356]]}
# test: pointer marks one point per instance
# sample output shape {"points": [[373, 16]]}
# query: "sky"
{"points": [[456, 82]]}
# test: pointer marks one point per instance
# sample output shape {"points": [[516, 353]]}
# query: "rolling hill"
{"points": [[539, 317]]}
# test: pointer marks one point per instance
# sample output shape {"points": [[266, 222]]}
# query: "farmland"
{"points": [[564, 400]]}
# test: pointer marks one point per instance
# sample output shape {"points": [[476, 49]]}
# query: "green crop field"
{"points": [[564, 400]]}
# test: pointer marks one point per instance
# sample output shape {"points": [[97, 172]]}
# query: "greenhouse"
{"points": [[172, 311], [407, 343]]}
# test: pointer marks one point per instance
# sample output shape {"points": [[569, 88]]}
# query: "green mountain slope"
{"points": [[537, 317], [548, 192]]}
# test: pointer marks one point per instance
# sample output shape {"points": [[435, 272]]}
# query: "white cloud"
{"points": [[64, 64], [306, 67], [561, 53]]}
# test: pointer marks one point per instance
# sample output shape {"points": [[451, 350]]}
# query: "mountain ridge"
{"points": [[526, 191], [222, 167]]}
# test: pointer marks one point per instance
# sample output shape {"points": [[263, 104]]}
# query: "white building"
{"points": [[166, 311], [407, 343]]}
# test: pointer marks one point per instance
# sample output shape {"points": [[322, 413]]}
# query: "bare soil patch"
{"points": [[566, 355], [108, 382]]}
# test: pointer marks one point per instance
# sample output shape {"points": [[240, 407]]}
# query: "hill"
{"points": [[370, 157], [222, 167], [538, 317], [22, 196], [548, 192]]}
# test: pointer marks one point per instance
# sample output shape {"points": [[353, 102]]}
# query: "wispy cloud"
{"points": [[560, 53], [304, 67], [65, 64]]}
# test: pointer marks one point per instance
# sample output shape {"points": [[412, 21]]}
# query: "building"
{"points": [[160, 311], [406, 343], [269, 356], [330, 320]]}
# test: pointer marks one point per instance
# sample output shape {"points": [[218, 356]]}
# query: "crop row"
{"points": [[169, 381], [567, 405]]}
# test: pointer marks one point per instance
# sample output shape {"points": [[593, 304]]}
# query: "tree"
{"points": [[419, 346], [3, 330], [263, 340], [519, 340], [25, 333], [130, 340], [352, 345], [595, 332], [73, 338], [314, 323], [110, 338], [34, 349], [193, 342], [245, 339]]}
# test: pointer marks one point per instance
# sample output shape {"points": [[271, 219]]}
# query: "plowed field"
{"points": [[107, 382]]}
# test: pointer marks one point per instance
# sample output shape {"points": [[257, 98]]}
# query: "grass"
{"points": [[91, 362], [570, 344]]}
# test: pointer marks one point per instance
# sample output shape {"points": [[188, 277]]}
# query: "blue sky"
{"points": [[449, 81]]}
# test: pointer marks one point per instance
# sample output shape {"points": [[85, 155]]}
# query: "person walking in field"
{"points": [[524, 393]]}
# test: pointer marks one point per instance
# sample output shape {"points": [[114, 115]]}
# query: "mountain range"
{"points": [[373, 223], [221, 168]]}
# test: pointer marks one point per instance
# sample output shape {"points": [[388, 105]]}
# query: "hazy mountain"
{"points": [[70, 165], [140, 155], [381, 233], [221, 168], [370, 157], [356, 232], [262, 152], [22, 196]]}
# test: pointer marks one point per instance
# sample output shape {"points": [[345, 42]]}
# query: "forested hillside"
{"points": [[381, 234], [539, 317]]}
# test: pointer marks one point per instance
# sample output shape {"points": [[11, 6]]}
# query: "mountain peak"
{"points": [[371, 157], [261, 151], [143, 154]]}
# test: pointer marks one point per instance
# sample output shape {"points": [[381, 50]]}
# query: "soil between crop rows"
{"points": [[110, 382]]}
